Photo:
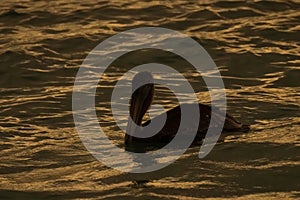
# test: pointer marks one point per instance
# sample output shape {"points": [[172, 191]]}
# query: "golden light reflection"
{"points": [[43, 43]]}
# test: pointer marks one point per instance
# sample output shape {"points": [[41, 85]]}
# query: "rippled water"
{"points": [[254, 44]]}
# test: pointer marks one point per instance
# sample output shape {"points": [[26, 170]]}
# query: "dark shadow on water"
{"points": [[230, 170], [236, 169]]}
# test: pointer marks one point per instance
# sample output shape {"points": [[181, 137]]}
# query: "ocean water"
{"points": [[255, 45]]}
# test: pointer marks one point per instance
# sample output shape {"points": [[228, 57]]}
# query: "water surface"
{"points": [[255, 46]]}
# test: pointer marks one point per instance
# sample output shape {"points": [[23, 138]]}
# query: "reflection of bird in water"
{"points": [[140, 102]]}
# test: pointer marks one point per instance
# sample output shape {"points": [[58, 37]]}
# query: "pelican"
{"points": [[140, 102]]}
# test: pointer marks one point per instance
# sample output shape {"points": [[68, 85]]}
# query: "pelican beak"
{"points": [[139, 104], [135, 117]]}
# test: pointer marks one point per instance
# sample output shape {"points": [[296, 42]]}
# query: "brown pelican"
{"points": [[140, 102]]}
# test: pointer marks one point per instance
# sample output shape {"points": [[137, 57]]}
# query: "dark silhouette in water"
{"points": [[140, 102]]}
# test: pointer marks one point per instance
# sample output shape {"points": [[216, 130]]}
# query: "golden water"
{"points": [[255, 45]]}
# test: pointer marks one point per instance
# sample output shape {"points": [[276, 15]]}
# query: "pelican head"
{"points": [[141, 98]]}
